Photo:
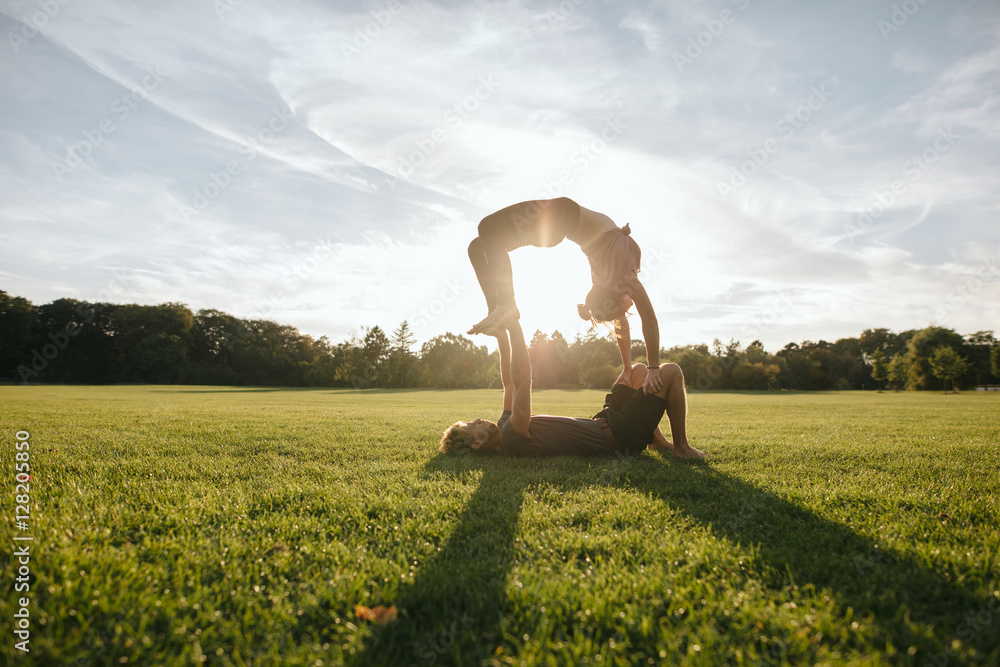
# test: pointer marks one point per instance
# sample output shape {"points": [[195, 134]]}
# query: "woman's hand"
{"points": [[653, 382]]}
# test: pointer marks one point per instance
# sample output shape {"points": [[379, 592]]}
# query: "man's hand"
{"points": [[653, 382], [625, 376]]}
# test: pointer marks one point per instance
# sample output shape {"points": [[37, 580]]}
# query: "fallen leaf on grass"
{"points": [[379, 614]]}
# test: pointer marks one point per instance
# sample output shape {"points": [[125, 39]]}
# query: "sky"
{"points": [[792, 171]]}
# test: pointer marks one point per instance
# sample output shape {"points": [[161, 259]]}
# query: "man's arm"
{"points": [[503, 345], [520, 371], [650, 334]]}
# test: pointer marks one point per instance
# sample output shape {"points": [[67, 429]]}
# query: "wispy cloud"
{"points": [[213, 150]]}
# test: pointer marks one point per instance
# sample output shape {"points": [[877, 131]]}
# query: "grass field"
{"points": [[242, 526]]}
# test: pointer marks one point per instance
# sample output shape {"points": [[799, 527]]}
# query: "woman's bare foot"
{"points": [[496, 332], [500, 318]]}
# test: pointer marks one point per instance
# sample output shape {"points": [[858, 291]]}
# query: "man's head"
{"points": [[477, 436], [604, 305]]}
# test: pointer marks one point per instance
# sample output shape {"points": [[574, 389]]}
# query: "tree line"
{"points": [[71, 341]]}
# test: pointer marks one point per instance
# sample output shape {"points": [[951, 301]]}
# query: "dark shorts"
{"points": [[542, 223], [632, 416]]}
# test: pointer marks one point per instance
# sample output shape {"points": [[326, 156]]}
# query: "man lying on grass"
{"points": [[628, 423]]}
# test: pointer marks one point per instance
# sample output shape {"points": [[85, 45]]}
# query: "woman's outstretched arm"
{"points": [[650, 334], [623, 336]]}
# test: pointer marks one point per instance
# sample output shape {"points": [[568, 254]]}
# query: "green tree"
{"points": [[882, 339], [695, 361], [350, 365], [550, 361], [946, 364], [559, 349], [83, 333], [160, 358], [597, 370], [810, 366], [995, 360], [756, 375], [638, 351], [273, 354], [402, 338], [401, 364], [18, 319], [756, 369], [847, 364], [880, 367], [131, 324], [897, 371], [375, 350], [322, 371], [453, 362], [593, 357], [215, 338], [919, 350], [980, 347]]}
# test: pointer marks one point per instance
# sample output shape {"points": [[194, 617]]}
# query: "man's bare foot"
{"points": [[659, 442], [500, 318], [688, 452]]}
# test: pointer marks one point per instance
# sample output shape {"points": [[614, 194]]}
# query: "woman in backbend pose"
{"points": [[614, 262]]}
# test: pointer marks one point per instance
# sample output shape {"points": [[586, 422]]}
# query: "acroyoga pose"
{"points": [[628, 423], [614, 258]]}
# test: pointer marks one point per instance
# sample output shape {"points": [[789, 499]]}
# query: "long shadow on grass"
{"points": [[451, 613], [909, 603]]}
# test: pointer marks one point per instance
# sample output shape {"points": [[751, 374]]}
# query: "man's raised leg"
{"points": [[676, 397], [636, 379]]}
